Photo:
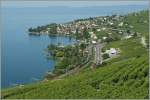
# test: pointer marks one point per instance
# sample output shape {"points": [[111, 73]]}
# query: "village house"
{"points": [[109, 33], [145, 21], [110, 23], [103, 28], [73, 31], [91, 33], [48, 28], [143, 41], [127, 37], [98, 30], [120, 32], [120, 24], [111, 52], [47, 32], [131, 26], [93, 36], [104, 38], [93, 42]]}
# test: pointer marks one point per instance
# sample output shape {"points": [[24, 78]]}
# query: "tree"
{"points": [[105, 56], [30, 29], [77, 34], [85, 33], [135, 34], [94, 29], [109, 39], [53, 28], [128, 31], [82, 46], [38, 29]]}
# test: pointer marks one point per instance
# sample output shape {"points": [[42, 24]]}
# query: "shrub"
{"points": [[130, 82], [141, 75], [59, 71], [125, 77], [95, 84], [59, 54], [146, 71], [49, 76], [138, 83], [105, 56], [115, 80]]}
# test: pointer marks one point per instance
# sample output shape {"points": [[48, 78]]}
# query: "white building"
{"points": [[93, 36], [105, 18], [112, 52], [104, 38], [120, 32], [127, 37], [98, 30], [103, 28], [73, 31], [143, 41], [94, 42], [47, 32], [131, 26], [91, 32], [121, 24], [111, 23]]}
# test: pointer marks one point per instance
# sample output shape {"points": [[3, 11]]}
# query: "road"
{"points": [[95, 50]]}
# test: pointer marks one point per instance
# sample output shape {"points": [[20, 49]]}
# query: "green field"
{"points": [[124, 77]]}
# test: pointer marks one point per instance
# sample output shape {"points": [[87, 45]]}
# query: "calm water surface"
{"points": [[23, 58]]}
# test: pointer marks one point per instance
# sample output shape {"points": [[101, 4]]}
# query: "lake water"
{"points": [[23, 59]]}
